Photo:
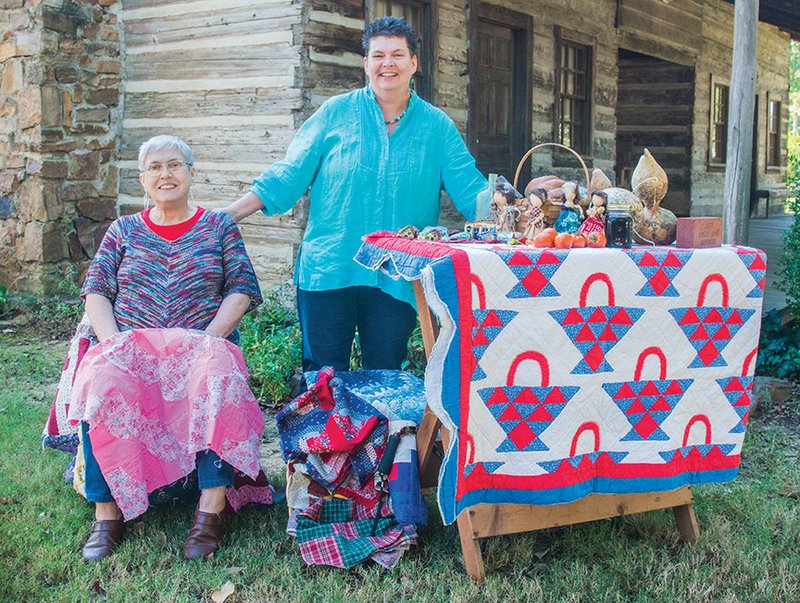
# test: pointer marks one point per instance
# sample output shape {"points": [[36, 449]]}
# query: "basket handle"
{"points": [[597, 276], [588, 426], [551, 144], [480, 290], [654, 351], [750, 358], [697, 419], [716, 277], [531, 355]]}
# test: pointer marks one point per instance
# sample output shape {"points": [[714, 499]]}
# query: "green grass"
{"points": [[748, 549]]}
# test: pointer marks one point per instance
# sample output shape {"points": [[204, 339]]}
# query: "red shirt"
{"points": [[172, 232]]}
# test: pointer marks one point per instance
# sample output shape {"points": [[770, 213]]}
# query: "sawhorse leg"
{"points": [[429, 426]]}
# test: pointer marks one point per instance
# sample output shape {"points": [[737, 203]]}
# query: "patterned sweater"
{"points": [[155, 283]]}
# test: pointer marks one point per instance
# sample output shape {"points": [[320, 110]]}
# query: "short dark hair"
{"points": [[391, 27]]}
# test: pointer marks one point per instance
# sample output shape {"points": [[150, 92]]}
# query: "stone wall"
{"points": [[60, 78]]}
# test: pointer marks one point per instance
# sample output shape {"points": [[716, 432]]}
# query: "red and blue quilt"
{"points": [[561, 373]]}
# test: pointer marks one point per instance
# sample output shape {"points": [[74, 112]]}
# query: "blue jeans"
{"points": [[329, 319], [212, 471]]}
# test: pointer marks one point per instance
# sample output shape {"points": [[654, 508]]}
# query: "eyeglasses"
{"points": [[156, 169]]}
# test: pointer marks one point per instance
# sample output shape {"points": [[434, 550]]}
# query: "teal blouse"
{"points": [[363, 180]]}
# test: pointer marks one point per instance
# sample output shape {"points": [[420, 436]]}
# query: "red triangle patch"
{"points": [[585, 334], [510, 414], [548, 257], [498, 397], [649, 389], [723, 334], [735, 319], [608, 335], [636, 408], [621, 317], [660, 404], [520, 259], [674, 388], [480, 339], [672, 261], [573, 317], [492, 320], [689, 318], [735, 385], [555, 397], [648, 259], [598, 316], [541, 414], [624, 392]]}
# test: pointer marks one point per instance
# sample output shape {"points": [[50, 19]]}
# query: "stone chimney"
{"points": [[60, 82]]}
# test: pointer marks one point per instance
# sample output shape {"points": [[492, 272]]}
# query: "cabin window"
{"points": [[573, 95], [773, 134], [418, 14], [718, 139]]}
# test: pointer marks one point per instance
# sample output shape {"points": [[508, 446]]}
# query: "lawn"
{"points": [[748, 548]]}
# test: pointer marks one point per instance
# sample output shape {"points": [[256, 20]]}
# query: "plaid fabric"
{"points": [[339, 533], [332, 431]]}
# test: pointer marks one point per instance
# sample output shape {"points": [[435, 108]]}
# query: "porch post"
{"points": [[736, 203]]}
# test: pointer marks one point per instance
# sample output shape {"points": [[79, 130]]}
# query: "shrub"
{"points": [[790, 276], [4, 302], [779, 348], [56, 316], [272, 346]]}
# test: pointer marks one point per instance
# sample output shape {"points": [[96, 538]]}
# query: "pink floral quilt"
{"points": [[153, 398]]}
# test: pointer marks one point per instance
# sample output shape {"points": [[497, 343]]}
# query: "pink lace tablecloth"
{"points": [[153, 398]]}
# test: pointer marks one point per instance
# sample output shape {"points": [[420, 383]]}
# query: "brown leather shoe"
{"points": [[204, 535], [106, 535]]}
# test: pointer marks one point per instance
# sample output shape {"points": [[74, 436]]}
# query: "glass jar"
{"points": [[619, 227]]}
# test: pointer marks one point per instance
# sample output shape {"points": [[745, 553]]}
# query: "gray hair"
{"points": [[165, 141]]}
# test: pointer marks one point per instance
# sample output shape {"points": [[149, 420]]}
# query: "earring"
{"points": [[191, 197], [145, 201]]}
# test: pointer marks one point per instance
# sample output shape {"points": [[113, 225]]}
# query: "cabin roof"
{"points": [[784, 14]]}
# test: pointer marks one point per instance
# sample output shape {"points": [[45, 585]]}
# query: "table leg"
{"points": [[686, 521], [470, 539], [470, 547], [429, 426], [427, 322]]}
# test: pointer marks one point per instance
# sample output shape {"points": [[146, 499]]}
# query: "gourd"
{"points": [[651, 223]]}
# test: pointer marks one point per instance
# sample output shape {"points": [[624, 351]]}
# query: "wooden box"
{"points": [[699, 233]]}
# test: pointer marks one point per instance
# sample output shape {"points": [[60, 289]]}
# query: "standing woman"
{"points": [[155, 397], [375, 158]]}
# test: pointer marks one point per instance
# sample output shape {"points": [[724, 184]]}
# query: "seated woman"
{"points": [[152, 405]]}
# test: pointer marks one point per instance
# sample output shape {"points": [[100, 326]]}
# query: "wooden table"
{"points": [[597, 456]]}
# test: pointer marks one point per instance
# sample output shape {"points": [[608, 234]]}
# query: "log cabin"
{"points": [[84, 82]]}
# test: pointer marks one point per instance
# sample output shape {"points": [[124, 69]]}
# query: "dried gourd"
{"points": [[599, 181], [649, 180]]}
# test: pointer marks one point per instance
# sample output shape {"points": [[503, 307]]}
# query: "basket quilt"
{"points": [[562, 373]]}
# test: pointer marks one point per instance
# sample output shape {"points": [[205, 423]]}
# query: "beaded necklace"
{"points": [[394, 120]]}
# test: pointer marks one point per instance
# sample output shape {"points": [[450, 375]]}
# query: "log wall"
{"points": [[237, 80], [226, 77]]}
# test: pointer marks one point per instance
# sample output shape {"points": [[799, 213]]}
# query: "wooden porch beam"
{"points": [[736, 203]]}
